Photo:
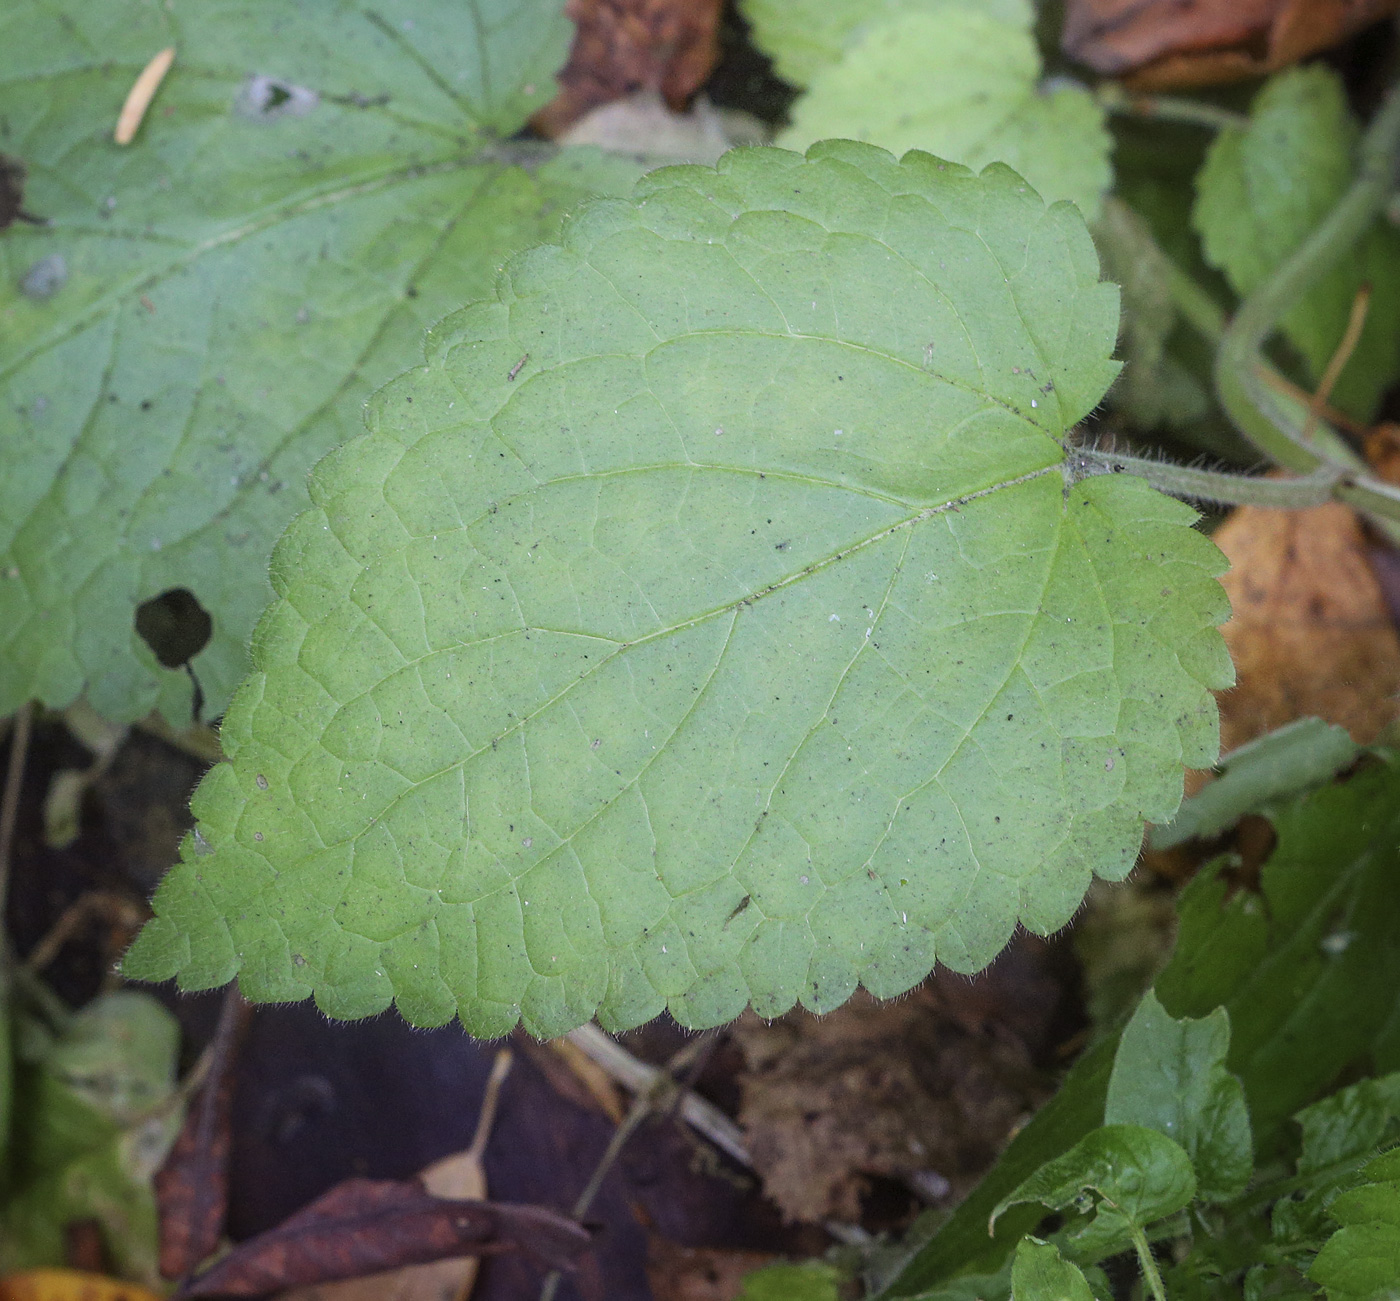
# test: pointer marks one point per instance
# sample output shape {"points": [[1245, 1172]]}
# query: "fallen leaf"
{"points": [[192, 1185], [679, 1273], [643, 124], [924, 1089], [621, 46], [366, 1226], [1162, 44], [1311, 632], [69, 1285]]}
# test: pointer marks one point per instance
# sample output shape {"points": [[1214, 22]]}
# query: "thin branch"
{"points": [[1356, 322], [638, 1077]]}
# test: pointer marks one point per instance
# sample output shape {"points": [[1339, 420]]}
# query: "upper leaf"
{"points": [[1264, 189], [708, 621], [206, 310], [959, 79], [804, 36], [1170, 1075]]}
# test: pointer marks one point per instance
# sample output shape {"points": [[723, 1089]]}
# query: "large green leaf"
{"points": [[709, 621], [1265, 188], [960, 79], [205, 311]]}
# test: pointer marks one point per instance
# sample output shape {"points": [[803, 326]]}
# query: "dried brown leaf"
{"points": [[621, 46], [367, 1226], [1164, 44], [679, 1273], [1311, 631]]}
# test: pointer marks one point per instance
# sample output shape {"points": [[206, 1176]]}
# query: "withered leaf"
{"points": [[1160, 44], [192, 1185], [364, 1226], [621, 46]]}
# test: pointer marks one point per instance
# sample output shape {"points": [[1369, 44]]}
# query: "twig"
{"points": [[638, 1077], [486, 1117], [1356, 322], [9, 802]]}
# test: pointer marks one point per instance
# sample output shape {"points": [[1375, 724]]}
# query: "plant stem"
{"points": [[1213, 485], [1150, 1273], [9, 802], [1168, 108], [1247, 399]]}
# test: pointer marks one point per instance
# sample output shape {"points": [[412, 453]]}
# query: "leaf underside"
{"points": [[206, 310], [708, 622]]}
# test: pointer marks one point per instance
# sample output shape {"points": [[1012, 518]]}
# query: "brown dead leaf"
{"points": [[699, 1273], [366, 1226], [1311, 631], [924, 1090], [621, 46], [1165, 44], [192, 1185]]}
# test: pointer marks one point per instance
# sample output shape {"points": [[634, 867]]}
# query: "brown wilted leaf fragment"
{"points": [[1165, 44], [621, 46], [366, 1226], [1311, 631]]}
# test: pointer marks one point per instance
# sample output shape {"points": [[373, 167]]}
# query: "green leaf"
{"points": [[1276, 766], [1264, 189], [804, 36], [96, 1111], [1170, 1075], [708, 621], [1309, 969], [1361, 1261], [960, 81], [809, 1281], [1040, 1273], [1139, 1175], [223, 294]]}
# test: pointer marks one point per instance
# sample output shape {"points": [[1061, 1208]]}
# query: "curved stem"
{"points": [[1247, 399]]}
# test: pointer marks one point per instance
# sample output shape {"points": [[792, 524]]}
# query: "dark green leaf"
{"points": [[1361, 1261]]}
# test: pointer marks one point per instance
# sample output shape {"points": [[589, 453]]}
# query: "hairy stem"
{"points": [[1212, 485], [1168, 108]]}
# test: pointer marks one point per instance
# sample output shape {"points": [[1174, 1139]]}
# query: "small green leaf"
{"points": [[1040, 1273], [1276, 766], [961, 81], [709, 621], [1361, 1261], [1170, 1076], [233, 286], [1264, 189], [809, 1281], [1137, 1175]]}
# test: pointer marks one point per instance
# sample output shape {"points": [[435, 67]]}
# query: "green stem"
{"points": [[1150, 1273], [1247, 399], [1168, 108], [1212, 485]]}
